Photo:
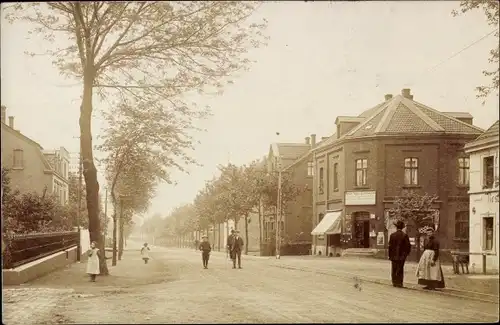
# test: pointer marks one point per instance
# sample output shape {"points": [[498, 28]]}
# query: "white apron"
{"points": [[425, 270], [93, 262]]}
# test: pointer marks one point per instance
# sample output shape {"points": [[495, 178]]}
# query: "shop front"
{"points": [[330, 230]]}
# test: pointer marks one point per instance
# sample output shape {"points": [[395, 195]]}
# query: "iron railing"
{"points": [[22, 249]]}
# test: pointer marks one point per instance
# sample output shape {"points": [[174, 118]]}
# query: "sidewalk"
{"points": [[374, 270], [42, 301]]}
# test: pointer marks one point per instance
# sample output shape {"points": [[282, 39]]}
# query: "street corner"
{"points": [[31, 305]]}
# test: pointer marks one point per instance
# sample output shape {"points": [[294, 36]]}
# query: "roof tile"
{"points": [[405, 121]]}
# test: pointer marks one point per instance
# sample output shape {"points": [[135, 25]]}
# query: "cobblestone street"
{"points": [[173, 288]]}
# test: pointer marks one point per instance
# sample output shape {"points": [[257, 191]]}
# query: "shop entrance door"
{"points": [[362, 234]]}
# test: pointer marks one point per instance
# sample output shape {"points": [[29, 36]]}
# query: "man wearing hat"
{"points": [[205, 249], [229, 242], [399, 249], [236, 247]]}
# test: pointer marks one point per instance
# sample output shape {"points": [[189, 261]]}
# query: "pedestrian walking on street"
{"points": [[93, 261], [236, 247], [229, 243], [145, 253], [205, 249], [429, 272], [196, 244], [399, 249]]}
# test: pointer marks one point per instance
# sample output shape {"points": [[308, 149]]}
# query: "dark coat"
{"points": [[433, 244], [205, 247], [229, 242], [399, 246], [237, 244]]}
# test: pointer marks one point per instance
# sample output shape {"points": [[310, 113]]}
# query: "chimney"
{"points": [[4, 113], [11, 121], [313, 140], [406, 93], [308, 140], [388, 96]]}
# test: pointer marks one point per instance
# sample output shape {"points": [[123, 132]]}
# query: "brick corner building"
{"points": [[398, 144]]}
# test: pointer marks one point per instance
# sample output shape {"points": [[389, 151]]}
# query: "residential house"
{"points": [[400, 144], [59, 160], [294, 161], [29, 168], [483, 216]]}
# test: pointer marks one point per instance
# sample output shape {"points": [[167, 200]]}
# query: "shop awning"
{"points": [[329, 225]]}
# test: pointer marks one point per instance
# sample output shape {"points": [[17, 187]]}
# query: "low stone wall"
{"points": [[38, 268]]}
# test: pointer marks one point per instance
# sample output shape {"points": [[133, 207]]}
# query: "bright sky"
{"points": [[323, 60]]}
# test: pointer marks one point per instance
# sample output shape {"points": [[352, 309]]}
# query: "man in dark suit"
{"points": [[229, 243], [236, 247], [399, 249]]}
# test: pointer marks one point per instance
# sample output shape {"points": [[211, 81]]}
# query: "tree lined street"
{"points": [[173, 288]]}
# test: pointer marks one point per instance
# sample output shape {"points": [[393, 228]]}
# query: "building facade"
{"points": [[397, 145], [60, 161], [484, 190], [29, 168], [295, 162]]}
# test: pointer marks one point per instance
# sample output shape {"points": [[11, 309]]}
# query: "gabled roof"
{"points": [[289, 150], [35, 144], [493, 131]]}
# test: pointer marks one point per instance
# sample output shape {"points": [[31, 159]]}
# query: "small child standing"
{"points": [[93, 261], [205, 249], [145, 253]]}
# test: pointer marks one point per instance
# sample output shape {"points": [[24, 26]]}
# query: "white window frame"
{"points": [[483, 234], [411, 169]]}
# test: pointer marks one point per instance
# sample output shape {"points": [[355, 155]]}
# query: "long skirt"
{"points": [[427, 274], [93, 264]]}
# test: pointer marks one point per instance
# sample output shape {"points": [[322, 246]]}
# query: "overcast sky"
{"points": [[323, 60]]}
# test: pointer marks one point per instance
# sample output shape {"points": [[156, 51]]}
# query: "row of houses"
{"points": [[353, 177], [30, 166]]}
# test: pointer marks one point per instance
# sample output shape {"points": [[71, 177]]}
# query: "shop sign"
{"points": [[360, 197], [380, 238]]}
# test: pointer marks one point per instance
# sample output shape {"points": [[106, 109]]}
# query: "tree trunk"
{"points": [[417, 242], [89, 170], [218, 235], [214, 233], [236, 220], [121, 239], [260, 225], [246, 234]]}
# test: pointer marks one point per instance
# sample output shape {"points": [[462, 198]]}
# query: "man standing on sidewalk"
{"points": [[399, 249], [237, 246]]}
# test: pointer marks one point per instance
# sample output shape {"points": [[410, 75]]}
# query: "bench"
{"points": [[461, 260]]}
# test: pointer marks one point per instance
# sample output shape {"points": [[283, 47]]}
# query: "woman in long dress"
{"points": [[93, 261], [429, 271]]}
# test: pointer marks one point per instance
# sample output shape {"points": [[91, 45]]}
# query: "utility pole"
{"points": [[78, 214], [278, 216], [278, 207]]}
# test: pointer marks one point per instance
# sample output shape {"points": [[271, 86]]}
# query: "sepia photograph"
{"points": [[246, 162]]}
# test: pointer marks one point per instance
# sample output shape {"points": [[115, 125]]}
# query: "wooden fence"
{"points": [[22, 249]]}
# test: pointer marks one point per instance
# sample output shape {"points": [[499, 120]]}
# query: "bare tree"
{"points": [[152, 51]]}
